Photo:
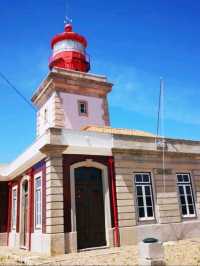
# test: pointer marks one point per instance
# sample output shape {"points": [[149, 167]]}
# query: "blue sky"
{"points": [[133, 42]]}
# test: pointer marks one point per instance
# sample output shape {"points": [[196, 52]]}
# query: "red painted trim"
{"points": [[114, 202], [30, 215], [44, 198], [31, 172], [9, 210], [68, 56], [18, 203], [3, 206], [32, 203], [71, 60], [68, 160]]}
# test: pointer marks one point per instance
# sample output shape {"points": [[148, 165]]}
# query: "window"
{"points": [[38, 202], [14, 208], [186, 195], [45, 115], [144, 196], [83, 108]]}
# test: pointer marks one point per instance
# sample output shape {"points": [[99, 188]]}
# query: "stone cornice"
{"points": [[50, 149], [158, 154], [72, 82]]}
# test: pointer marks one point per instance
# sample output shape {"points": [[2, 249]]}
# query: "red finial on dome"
{"points": [[68, 27], [69, 51]]}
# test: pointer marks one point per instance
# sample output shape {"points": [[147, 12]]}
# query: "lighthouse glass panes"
{"points": [[186, 195], [38, 202], [68, 45], [144, 196], [14, 207]]}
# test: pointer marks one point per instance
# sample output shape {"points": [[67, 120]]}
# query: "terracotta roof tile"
{"points": [[2, 165], [120, 131]]}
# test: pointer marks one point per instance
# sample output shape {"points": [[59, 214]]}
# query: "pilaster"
{"points": [[54, 200]]}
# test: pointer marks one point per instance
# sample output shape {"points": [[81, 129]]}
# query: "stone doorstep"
{"points": [[148, 262]]}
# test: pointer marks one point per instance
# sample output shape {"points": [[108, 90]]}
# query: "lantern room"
{"points": [[69, 51]]}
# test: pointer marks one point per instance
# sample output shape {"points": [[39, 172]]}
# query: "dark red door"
{"points": [[90, 216]]}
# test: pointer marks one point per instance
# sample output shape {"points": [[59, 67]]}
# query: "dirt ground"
{"points": [[185, 252]]}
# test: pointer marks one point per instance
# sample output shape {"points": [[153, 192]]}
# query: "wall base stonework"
{"points": [[3, 239], [71, 242], [163, 232], [48, 244], [111, 237], [57, 244]]}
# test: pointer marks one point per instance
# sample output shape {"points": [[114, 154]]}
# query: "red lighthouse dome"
{"points": [[69, 51]]}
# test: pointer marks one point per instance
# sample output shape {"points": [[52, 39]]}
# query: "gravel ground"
{"points": [[185, 252]]}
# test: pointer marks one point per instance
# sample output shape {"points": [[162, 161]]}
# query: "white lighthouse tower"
{"points": [[70, 97]]}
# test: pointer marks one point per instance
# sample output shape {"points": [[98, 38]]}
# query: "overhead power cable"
{"points": [[20, 94], [17, 91]]}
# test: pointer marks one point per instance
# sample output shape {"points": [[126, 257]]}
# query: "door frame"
{"points": [[106, 194], [25, 178]]}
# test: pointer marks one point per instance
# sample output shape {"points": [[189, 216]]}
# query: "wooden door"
{"points": [[90, 216]]}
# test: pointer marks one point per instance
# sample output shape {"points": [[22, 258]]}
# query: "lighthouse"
{"points": [[69, 51], [70, 97]]}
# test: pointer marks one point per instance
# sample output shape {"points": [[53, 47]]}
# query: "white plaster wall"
{"points": [[72, 118], [13, 240], [39, 242]]}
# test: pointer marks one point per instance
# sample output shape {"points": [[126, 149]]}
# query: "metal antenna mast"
{"points": [[67, 13], [159, 107]]}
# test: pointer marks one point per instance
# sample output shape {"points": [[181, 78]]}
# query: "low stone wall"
{"points": [[3, 239], [163, 232]]}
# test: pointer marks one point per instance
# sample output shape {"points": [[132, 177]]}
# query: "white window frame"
{"points": [[143, 184], [36, 225], [14, 216], [184, 184]]}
